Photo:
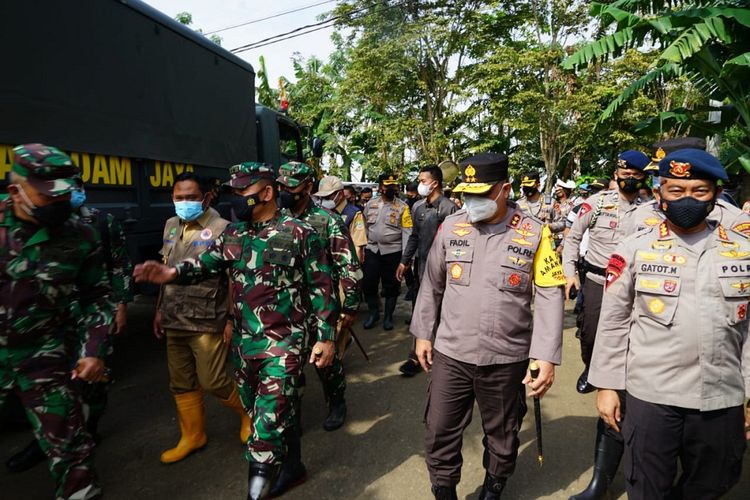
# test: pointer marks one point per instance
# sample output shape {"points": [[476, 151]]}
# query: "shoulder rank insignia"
{"points": [[723, 233], [461, 232], [663, 230], [515, 220]]}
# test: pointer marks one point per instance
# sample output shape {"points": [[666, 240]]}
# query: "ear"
{"points": [[267, 193], [14, 193]]}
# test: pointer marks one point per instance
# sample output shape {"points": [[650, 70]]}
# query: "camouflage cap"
{"points": [[294, 173], [45, 168], [248, 173]]}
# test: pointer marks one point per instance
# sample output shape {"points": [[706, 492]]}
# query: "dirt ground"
{"points": [[378, 454]]}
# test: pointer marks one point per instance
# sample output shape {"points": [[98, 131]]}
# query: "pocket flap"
{"points": [[735, 287], [658, 285], [459, 254]]}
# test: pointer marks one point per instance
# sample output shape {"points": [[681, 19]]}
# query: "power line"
{"points": [[310, 28], [273, 16]]}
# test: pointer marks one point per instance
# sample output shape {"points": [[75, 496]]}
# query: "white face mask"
{"points": [[480, 208], [424, 190], [329, 204]]}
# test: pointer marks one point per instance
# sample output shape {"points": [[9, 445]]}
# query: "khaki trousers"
{"points": [[198, 361]]}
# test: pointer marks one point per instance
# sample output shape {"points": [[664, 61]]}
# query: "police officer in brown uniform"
{"points": [[474, 306], [606, 217], [673, 336], [388, 222], [193, 318]]}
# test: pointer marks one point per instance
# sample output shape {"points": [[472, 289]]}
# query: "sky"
{"points": [[217, 14]]}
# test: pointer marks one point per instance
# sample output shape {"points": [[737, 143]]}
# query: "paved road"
{"points": [[377, 455]]}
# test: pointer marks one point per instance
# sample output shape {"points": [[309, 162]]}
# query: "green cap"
{"points": [[294, 173], [46, 168], [248, 173]]}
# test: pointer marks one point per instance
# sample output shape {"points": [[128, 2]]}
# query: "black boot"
{"points": [[293, 472], [492, 488], [444, 492], [336, 414], [260, 477], [374, 316], [26, 459], [582, 384], [390, 306], [606, 460]]}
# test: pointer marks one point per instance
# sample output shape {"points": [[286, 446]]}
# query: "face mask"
{"points": [[529, 192], [424, 190], [243, 206], [329, 204], [77, 199], [480, 208], [687, 212], [389, 193], [630, 185], [188, 210], [289, 200], [51, 214]]}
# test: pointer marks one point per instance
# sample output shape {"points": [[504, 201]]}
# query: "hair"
{"points": [[350, 188], [412, 186], [366, 190], [265, 181], [203, 184], [435, 173]]}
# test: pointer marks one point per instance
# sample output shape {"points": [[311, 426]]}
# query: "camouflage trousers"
{"points": [[269, 390], [40, 376]]}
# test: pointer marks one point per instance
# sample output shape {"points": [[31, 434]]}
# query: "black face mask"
{"points": [[52, 214], [389, 193], [630, 185], [289, 200], [687, 212], [529, 192], [243, 206]]}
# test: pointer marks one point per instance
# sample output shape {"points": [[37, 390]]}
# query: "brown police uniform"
{"points": [[474, 302], [605, 216], [673, 333], [194, 316]]}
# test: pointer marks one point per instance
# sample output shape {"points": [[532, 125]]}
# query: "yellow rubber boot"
{"points": [[233, 402], [192, 418]]}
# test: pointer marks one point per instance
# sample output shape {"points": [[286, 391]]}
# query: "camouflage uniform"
{"points": [[43, 270], [279, 274]]}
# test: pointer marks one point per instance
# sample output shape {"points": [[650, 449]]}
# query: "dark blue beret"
{"points": [[692, 164], [633, 159]]}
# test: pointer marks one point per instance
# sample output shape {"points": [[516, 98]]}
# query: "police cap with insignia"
{"points": [[294, 173], [388, 180], [633, 159], [248, 173], [663, 148], [692, 164], [45, 168], [479, 173], [530, 179]]}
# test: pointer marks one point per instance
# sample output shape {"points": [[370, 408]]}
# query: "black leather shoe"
{"points": [[291, 475], [336, 415], [26, 459], [260, 478], [444, 492], [582, 385], [374, 313], [492, 488], [410, 367]]}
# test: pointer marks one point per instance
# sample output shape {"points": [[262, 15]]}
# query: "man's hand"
{"points": [[121, 318], [228, 327], [158, 330], [152, 271], [608, 404], [423, 349], [573, 282], [322, 353], [88, 369], [400, 270], [540, 385], [347, 320]]}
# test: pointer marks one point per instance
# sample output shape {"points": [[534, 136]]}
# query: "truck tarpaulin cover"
{"points": [[118, 77]]}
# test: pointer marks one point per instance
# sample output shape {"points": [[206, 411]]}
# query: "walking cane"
{"points": [[534, 371], [356, 340]]}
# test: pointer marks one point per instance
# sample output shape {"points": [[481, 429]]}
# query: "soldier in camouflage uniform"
{"points": [[280, 275], [119, 269], [296, 183], [48, 261]]}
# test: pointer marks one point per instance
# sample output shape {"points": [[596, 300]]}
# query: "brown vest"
{"points": [[200, 308]]}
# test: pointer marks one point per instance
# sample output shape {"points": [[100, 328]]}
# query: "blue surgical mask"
{"points": [[77, 199], [188, 210]]}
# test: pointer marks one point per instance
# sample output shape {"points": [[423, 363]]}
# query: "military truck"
{"points": [[136, 98]]}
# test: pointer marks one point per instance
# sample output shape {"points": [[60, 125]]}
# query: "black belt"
{"points": [[590, 268]]}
